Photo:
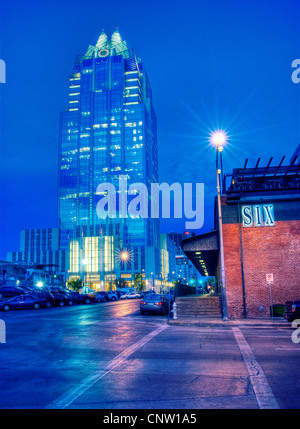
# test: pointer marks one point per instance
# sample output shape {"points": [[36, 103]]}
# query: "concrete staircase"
{"points": [[197, 306]]}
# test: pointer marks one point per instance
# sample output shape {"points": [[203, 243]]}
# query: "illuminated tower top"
{"points": [[105, 47]]}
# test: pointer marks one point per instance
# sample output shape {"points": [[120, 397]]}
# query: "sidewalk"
{"points": [[211, 322]]}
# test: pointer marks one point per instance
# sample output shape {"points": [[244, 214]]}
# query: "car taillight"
{"points": [[158, 303], [293, 307], [143, 302]]}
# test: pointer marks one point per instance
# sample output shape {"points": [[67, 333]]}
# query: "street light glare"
{"points": [[124, 256], [218, 138]]}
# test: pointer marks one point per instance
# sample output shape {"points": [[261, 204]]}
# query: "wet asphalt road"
{"points": [[107, 356]]}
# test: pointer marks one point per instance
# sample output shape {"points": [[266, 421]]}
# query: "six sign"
{"points": [[258, 215]]}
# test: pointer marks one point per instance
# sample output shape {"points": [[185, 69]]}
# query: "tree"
{"points": [[211, 281], [139, 282], [75, 284], [120, 283]]}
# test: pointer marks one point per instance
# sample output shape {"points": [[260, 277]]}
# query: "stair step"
{"points": [[190, 307], [197, 306], [199, 312]]}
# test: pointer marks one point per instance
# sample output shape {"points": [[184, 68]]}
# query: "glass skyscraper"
{"points": [[108, 129], [107, 133]]}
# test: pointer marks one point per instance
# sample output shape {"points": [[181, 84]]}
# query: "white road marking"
{"points": [[261, 387], [72, 394]]}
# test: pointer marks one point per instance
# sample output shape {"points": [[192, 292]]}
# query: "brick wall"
{"points": [[265, 250]]}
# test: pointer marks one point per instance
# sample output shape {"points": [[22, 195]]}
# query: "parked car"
{"points": [[79, 298], [23, 301], [170, 297], [97, 297], [10, 291], [147, 292], [112, 296], [103, 295], [60, 296], [27, 288], [154, 303], [292, 310], [43, 294], [129, 295]]}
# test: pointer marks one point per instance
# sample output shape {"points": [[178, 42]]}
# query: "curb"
{"points": [[220, 323]]}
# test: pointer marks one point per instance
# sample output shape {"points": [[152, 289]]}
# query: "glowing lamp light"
{"points": [[39, 284], [218, 138], [124, 256]]}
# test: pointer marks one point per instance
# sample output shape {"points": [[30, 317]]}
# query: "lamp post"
{"points": [[218, 139], [160, 277], [142, 277], [84, 262], [153, 284], [124, 256]]}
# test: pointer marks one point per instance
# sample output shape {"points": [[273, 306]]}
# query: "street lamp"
{"points": [[153, 284], [218, 139], [124, 255], [84, 263]]}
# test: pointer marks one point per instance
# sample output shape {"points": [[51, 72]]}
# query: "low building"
{"points": [[261, 234], [41, 246]]}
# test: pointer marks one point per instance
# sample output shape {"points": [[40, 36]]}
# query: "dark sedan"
{"points": [[79, 298], [43, 294], [97, 297], [154, 304], [61, 297], [23, 301], [8, 291]]}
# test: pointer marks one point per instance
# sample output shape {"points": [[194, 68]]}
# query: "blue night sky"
{"points": [[211, 64]]}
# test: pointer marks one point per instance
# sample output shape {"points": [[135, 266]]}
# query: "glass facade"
{"points": [[107, 130]]}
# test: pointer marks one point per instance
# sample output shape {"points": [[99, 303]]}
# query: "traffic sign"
{"points": [[270, 278]]}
